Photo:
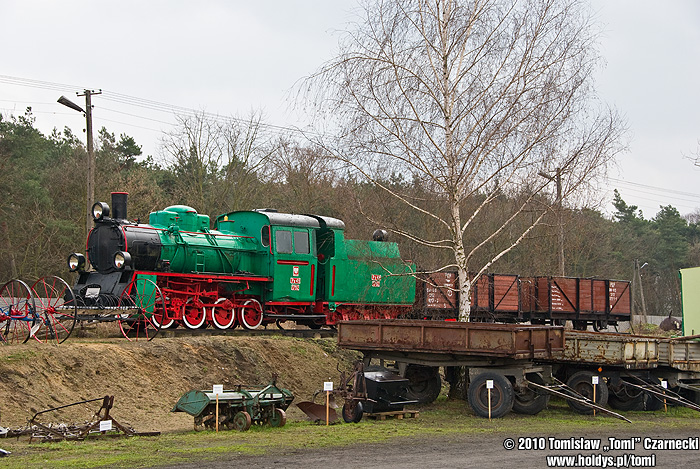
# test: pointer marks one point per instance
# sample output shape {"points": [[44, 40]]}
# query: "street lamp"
{"points": [[91, 154]]}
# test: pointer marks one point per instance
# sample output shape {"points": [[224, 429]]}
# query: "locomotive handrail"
{"points": [[143, 227]]}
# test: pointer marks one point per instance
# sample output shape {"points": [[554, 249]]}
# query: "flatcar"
{"points": [[252, 269]]}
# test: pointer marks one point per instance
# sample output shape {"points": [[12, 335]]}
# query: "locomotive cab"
{"points": [[290, 253]]}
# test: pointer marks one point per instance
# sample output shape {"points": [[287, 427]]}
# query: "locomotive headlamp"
{"points": [[122, 259], [100, 210], [76, 262]]}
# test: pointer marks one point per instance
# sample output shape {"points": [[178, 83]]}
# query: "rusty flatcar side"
{"points": [[521, 342]]}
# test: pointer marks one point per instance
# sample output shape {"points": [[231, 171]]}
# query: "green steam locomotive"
{"points": [[252, 269]]}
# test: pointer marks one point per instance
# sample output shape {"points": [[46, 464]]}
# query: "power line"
{"points": [[658, 189], [146, 104]]}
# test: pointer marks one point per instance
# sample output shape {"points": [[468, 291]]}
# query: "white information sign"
{"points": [[105, 425], [594, 379], [489, 384], [218, 389], [664, 384], [328, 385]]}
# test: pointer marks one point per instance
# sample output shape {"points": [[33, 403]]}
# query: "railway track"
{"points": [[300, 333]]}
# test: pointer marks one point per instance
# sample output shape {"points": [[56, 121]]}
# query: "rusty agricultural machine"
{"points": [[101, 424], [238, 409], [370, 391]]}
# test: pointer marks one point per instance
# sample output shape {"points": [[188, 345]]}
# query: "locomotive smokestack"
{"points": [[119, 205]]}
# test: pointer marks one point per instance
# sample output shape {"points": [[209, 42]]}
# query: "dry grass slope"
{"points": [[147, 378]]}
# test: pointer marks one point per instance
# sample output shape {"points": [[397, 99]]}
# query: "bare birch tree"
{"points": [[471, 99]]}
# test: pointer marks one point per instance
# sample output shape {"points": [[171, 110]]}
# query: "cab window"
{"points": [[265, 235], [283, 241], [301, 242]]}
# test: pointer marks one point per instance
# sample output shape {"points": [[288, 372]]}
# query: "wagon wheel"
{"points": [[278, 418], [144, 300], [193, 316], [222, 317], [582, 383], [251, 314], [530, 401], [242, 421], [626, 398], [424, 383], [57, 310], [17, 312], [502, 395]]}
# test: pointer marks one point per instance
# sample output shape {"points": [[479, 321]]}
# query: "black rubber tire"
{"points": [[581, 383], [531, 401], [627, 399], [502, 395], [352, 412], [652, 402], [424, 383]]}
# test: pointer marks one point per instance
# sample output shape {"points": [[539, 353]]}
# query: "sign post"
{"points": [[489, 387], [594, 380], [328, 387], [664, 384], [218, 389]]}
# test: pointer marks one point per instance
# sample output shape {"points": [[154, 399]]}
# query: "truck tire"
{"points": [[425, 383], [502, 395], [627, 398], [581, 383], [531, 401]]}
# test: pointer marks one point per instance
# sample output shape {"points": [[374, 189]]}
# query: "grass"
{"points": [[20, 356], [442, 419]]}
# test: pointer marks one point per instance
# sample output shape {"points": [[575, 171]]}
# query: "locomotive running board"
{"points": [[294, 316], [572, 395]]}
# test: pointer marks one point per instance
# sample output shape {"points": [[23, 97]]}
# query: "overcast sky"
{"points": [[232, 57]]}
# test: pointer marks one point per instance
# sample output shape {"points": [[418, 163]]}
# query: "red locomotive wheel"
{"points": [[251, 314], [193, 316], [163, 321], [140, 302], [222, 317]]}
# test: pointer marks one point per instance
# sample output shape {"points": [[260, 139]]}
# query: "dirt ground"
{"points": [[147, 378]]}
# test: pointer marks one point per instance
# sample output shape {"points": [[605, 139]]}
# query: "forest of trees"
{"points": [[42, 203]]}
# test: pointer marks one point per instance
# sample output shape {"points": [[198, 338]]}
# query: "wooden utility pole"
{"points": [[91, 156], [560, 217]]}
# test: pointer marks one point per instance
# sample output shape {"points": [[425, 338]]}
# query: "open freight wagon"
{"points": [[538, 300]]}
